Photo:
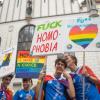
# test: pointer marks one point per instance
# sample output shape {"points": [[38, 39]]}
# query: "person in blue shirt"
{"points": [[57, 86], [88, 89], [26, 93]]}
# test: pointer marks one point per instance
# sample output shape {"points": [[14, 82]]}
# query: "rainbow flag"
{"points": [[6, 59], [28, 66], [83, 37]]}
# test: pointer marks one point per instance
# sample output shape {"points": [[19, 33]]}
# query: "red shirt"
{"points": [[9, 94]]}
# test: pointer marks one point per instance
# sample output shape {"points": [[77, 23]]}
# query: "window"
{"points": [[1, 2], [25, 37]]}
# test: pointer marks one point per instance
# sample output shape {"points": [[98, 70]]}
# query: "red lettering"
{"points": [[55, 34], [47, 47], [37, 49], [34, 48], [44, 36], [55, 47], [42, 48], [51, 47], [39, 38], [47, 36]]}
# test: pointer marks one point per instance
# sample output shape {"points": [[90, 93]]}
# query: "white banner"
{"points": [[66, 34], [7, 61], [47, 38], [82, 34]]}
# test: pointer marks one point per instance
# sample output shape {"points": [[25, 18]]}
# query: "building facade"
{"points": [[18, 19]]}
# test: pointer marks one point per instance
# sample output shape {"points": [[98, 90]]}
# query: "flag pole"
{"points": [[83, 81], [41, 86]]}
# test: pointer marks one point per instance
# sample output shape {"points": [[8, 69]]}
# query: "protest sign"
{"points": [[82, 34], [66, 35], [28, 66], [7, 61], [47, 38]]}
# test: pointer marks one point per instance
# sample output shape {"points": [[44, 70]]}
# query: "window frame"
{"points": [[22, 40]]}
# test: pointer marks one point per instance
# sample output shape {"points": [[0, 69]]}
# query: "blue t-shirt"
{"points": [[2, 95], [55, 90], [22, 94], [90, 92]]}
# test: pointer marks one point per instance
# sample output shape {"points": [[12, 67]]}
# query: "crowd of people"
{"points": [[80, 84]]}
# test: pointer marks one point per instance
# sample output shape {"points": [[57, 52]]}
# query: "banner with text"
{"points": [[28, 66], [66, 34], [47, 38]]}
